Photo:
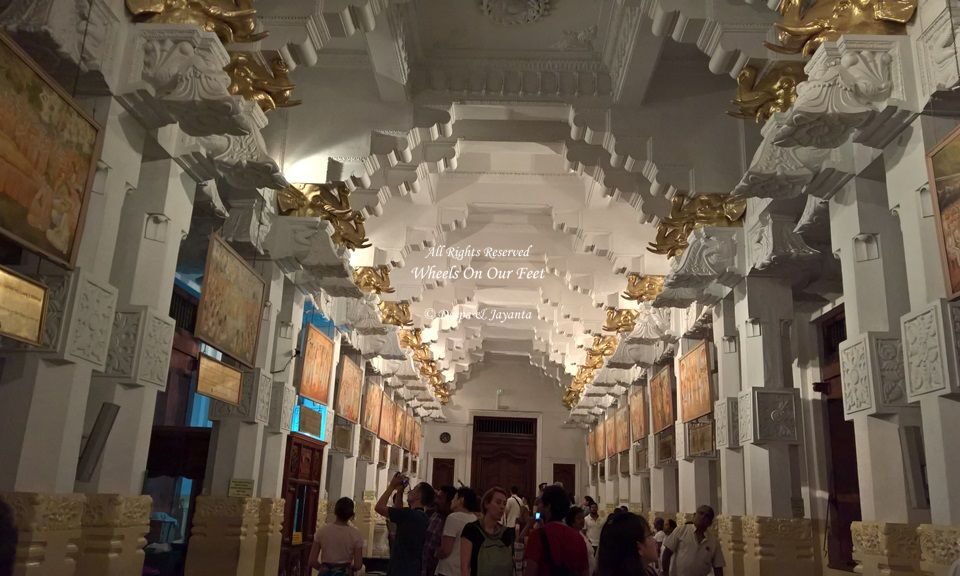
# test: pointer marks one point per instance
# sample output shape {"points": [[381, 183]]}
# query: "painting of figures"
{"points": [[601, 437], [417, 438], [591, 443], [48, 156], [661, 395], [696, 398], [408, 434], [231, 303], [401, 427], [388, 421], [943, 164], [317, 365], [623, 429], [638, 413], [348, 390], [372, 403], [610, 431]]}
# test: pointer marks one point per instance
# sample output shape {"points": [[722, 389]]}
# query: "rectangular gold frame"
{"points": [[953, 291], [211, 360], [43, 308]]}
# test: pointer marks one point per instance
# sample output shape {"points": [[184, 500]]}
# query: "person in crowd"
{"points": [[658, 534], [668, 529], [587, 501], [576, 519], [464, 510], [691, 551], [486, 546], [407, 552], [593, 526], [627, 547], [437, 515], [8, 539], [671, 526], [337, 547], [624, 509], [555, 549], [514, 504], [525, 524], [391, 527]]}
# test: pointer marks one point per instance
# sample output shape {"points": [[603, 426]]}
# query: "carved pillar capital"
{"points": [[715, 255], [769, 416], [871, 366], [930, 346], [140, 347]]}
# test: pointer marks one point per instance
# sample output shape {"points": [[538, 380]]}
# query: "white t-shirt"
{"points": [[512, 512], [453, 526], [338, 543], [593, 527], [692, 558], [591, 558]]}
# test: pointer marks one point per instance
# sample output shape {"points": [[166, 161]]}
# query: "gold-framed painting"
{"points": [[23, 307], [348, 390], [231, 303], [638, 413], [219, 381], [372, 404], [661, 396], [623, 429], [610, 431], [409, 440], [600, 438], [696, 396], [388, 421], [316, 368], [943, 167], [401, 427], [589, 446], [417, 438], [49, 149]]}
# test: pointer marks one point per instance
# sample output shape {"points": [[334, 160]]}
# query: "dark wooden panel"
{"points": [[443, 472], [505, 454], [301, 493], [566, 474]]}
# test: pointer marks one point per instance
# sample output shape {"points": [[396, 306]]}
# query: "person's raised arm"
{"points": [[381, 505], [466, 553]]}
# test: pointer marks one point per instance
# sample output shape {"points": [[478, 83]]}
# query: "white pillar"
{"points": [[727, 347]]}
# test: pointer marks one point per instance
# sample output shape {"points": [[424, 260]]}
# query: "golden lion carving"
{"points": [[231, 20]]}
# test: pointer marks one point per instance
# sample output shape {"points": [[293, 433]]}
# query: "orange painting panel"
{"points": [[409, 432], [661, 394], [388, 421], [623, 429], [943, 166], [601, 438], [317, 365], [400, 419], [610, 431], [696, 397], [372, 404], [348, 390], [638, 414]]}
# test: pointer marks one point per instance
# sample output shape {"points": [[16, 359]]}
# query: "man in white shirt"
{"points": [[593, 526], [512, 512], [691, 551]]}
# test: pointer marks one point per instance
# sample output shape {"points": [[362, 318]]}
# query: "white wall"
{"points": [[527, 394]]}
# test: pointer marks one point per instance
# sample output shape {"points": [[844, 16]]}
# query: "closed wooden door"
{"points": [[504, 454], [301, 494], [443, 471], [566, 474]]}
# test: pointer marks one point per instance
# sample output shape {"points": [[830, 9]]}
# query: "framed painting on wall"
{"points": [[610, 431], [372, 404], [661, 395], [49, 149], [417, 438], [317, 366], [23, 306], [623, 429], [219, 381], [591, 443], [600, 438], [638, 413], [388, 421], [943, 165], [409, 433], [348, 390], [696, 396], [231, 303], [401, 427]]}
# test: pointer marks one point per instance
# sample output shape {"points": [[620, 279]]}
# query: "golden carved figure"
{"points": [[429, 369], [809, 23], [759, 97], [643, 288], [373, 279], [422, 353], [604, 345], [395, 313], [330, 202], [231, 20], [620, 320], [410, 337], [270, 89], [688, 214]]}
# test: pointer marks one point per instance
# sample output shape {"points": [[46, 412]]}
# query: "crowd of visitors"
{"points": [[456, 532]]}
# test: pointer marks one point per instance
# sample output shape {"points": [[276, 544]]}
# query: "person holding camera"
{"points": [[407, 551]]}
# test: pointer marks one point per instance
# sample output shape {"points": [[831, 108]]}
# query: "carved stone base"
{"points": [[730, 533], [113, 535], [224, 537], [777, 546], [269, 536], [886, 548], [939, 548], [48, 532], [364, 521], [381, 541]]}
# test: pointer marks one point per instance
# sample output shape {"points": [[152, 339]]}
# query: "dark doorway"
{"points": [[843, 505], [301, 494], [443, 471], [566, 474], [504, 454]]}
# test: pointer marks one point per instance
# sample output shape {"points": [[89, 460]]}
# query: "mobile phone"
{"points": [[406, 481], [536, 516]]}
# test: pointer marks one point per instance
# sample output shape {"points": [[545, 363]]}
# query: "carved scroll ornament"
{"points": [[231, 20], [809, 23], [688, 214]]}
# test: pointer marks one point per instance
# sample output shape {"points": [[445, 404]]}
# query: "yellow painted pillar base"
{"points": [[269, 524], [364, 521], [778, 546], [730, 534], [886, 548], [48, 528], [939, 548], [113, 535], [224, 537], [683, 517]]}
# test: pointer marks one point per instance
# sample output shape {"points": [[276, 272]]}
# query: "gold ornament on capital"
{"points": [[331, 202], [411, 337], [231, 20], [643, 288], [395, 313], [270, 89], [620, 320], [373, 279], [807, 24], [689, 213], [761, 94]]}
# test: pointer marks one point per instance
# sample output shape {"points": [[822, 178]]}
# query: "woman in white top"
{"points": [[464, 510], [338, 547]]}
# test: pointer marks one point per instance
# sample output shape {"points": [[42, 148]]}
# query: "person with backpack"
{"points": [[691, 551], [514, 504], [486, 546], [555, 549]]}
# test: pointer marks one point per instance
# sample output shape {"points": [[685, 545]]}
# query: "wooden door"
{"points": [[505, 454], [566, 474], [443, 472], [303, 463]]}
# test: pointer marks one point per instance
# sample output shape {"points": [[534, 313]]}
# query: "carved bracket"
{"points": [[283, 398], [255, 399], [871, 368], [930, 347], [727, 418], [140, 347], [769, 416], [712, 264], [302, 248], [775, 248]]}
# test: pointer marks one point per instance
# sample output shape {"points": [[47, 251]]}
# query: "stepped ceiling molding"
{"points": [[499, 168]]}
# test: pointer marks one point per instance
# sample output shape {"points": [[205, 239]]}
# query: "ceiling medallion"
{"points": [[515, 11]]}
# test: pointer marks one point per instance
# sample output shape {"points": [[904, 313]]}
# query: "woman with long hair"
{"points": [[486, 546], [338, 546], [627, 547]]}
